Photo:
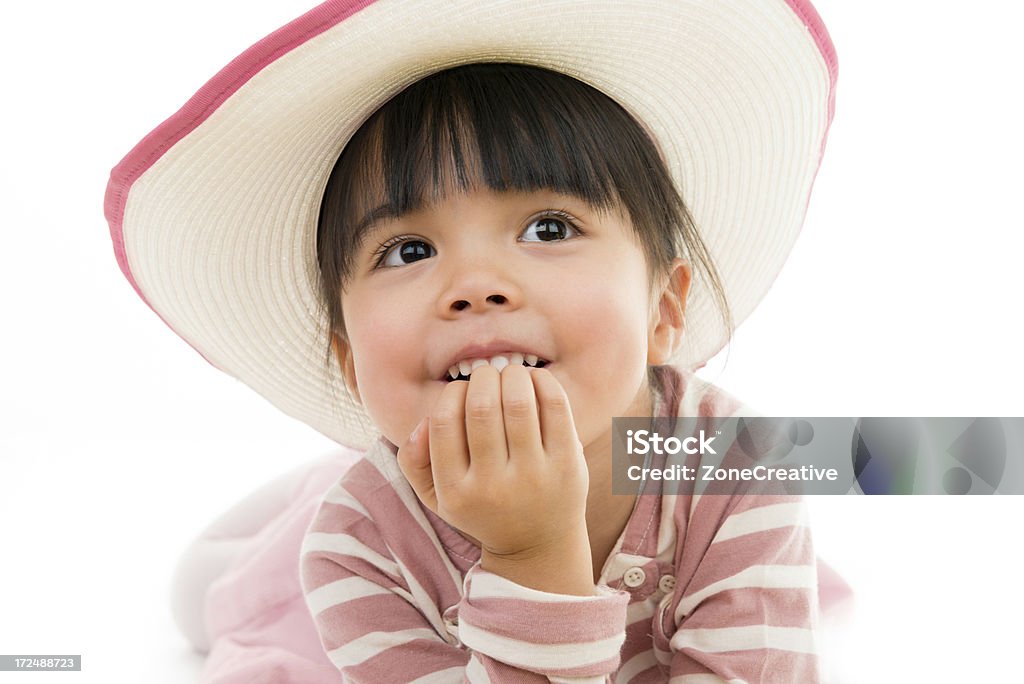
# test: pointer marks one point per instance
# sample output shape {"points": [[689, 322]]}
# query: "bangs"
{"points": [[502, 127]]}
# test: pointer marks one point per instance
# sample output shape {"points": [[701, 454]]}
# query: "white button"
{"points": [[667, 583], [634, 577]]}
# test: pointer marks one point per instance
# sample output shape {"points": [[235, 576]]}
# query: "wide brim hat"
{"points": [[213, 215]]}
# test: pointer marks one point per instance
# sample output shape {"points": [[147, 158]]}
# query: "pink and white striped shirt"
{"points": [[697, 590]]}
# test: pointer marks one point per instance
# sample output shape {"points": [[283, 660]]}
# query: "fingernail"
{"points": [[416, 433]]}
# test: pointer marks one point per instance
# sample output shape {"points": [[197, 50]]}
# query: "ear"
{"points": [[668, 316], [343, 352]]}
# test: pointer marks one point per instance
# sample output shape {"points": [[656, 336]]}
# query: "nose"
{"points": [[479, 287]]}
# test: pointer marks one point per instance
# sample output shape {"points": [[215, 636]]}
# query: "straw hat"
{"points": [[213, 215]]}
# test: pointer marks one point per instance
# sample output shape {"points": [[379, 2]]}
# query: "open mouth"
{"points": [[463, 369]]}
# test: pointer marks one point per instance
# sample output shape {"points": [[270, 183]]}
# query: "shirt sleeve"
{"points": [[378, 622], [748, 607], [563, 638]]}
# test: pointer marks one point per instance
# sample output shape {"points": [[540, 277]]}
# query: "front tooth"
{"points": [[499, 362], [478, 362], [515, 359], [531, 359], [453, 372], [465, 368]]}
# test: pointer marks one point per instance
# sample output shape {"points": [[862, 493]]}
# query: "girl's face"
{"points": [[482, 274]]}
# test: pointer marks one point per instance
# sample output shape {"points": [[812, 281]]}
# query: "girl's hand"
{"points": [[499, 459]]}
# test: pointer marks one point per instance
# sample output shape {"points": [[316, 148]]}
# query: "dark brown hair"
{"points": [[506, 127]]}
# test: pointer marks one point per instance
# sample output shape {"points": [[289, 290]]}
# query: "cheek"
{"points": [[379, 329], [384, 351], [611, 317], [608, 332], [611, 334]]}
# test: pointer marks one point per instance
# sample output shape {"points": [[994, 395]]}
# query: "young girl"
{"points": [[483, 222]]}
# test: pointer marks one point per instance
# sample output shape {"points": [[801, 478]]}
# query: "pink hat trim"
{"points": [[812, 20]]}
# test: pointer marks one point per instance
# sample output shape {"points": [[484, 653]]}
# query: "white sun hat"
{"points": [[213, 215]]}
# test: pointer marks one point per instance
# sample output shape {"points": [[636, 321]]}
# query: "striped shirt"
{"points": [[697, 590]]}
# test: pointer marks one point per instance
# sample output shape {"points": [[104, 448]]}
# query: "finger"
{"points": [[449, 455], [485, 427], [522, 421], [414, 460], [557, 428]]}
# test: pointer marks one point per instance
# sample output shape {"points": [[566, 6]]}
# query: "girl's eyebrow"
{"points": [[368, 223]]}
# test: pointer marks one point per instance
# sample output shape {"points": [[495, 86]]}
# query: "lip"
{"points": [[488, 350]]}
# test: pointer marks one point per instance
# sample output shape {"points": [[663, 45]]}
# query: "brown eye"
{"points": [[407, 252], [548, 229]]}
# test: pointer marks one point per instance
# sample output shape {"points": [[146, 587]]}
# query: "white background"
{"points": [[118, 443]]}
